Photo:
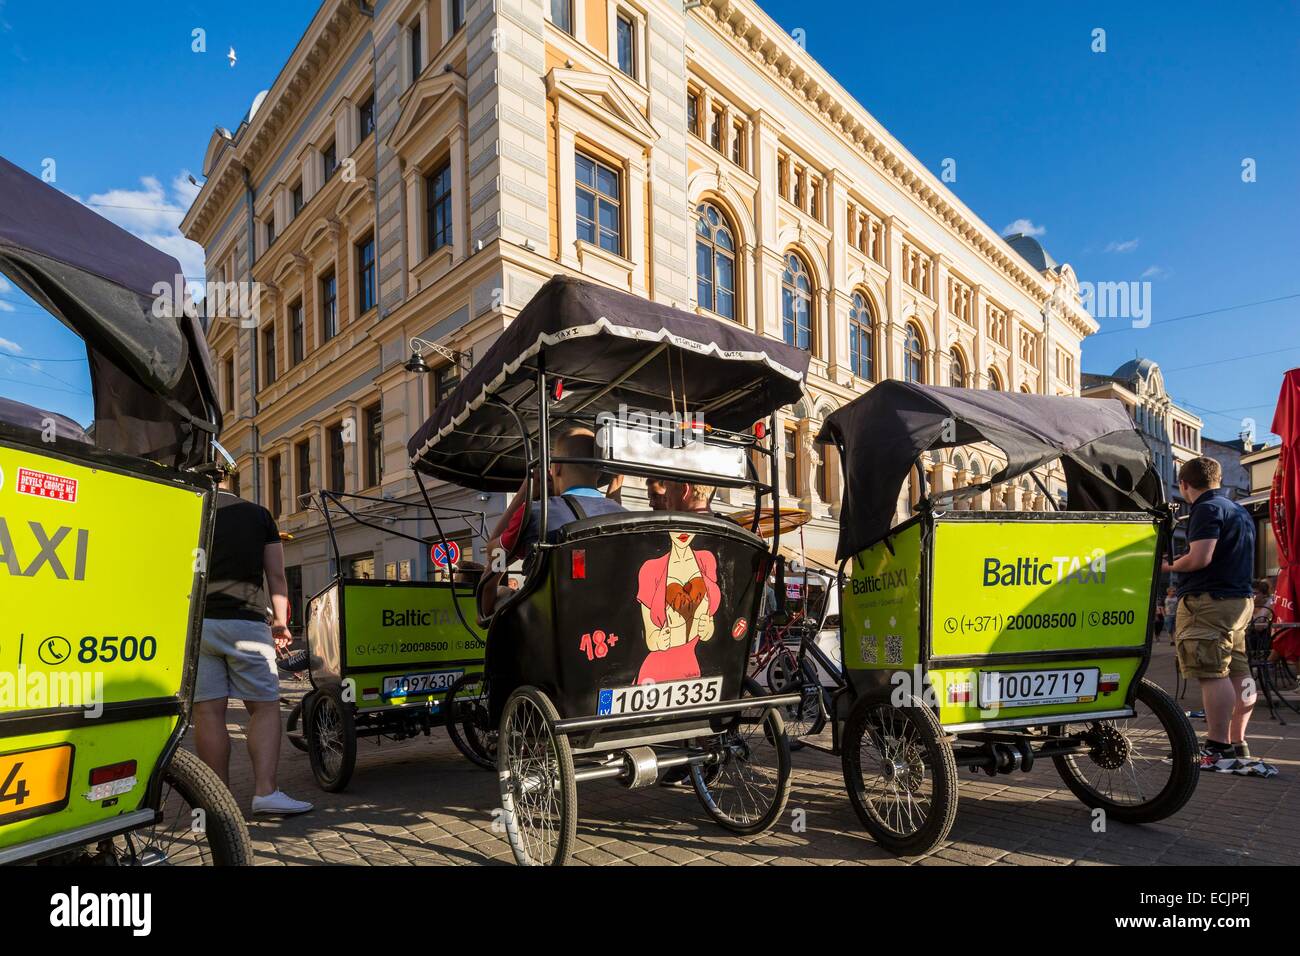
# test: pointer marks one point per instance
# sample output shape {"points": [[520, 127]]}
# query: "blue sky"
{"points": [[1129, 161]]}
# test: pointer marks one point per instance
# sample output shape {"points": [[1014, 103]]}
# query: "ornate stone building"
{"points": [[1172, 432], [419, 168]]}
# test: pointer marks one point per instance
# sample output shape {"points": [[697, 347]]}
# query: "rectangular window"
{"points": [[361, 566], [329, 306], [329, 160], [457, 14], [562, 15], [445, 381], [715, 130], [366, 275], [374, 446], [296, 199], [366, 116], [417, 50], [268, 355], [625, 30], [275, 486], [228, 373], [738, 144], [437, 208], [297, 332], [599, 199], [693, 113], [335, 472], [791, 452], [270, 231], [302, 469]]}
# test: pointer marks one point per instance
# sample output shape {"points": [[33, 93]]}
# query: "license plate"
{"points": [[415, 685], [34, 782], [1023, 688], [652, 698]]}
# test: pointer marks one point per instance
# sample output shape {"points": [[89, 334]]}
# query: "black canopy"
{"points": [[152, 383], [880, 435], [610, 349]]}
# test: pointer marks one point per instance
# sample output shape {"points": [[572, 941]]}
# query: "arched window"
{"points": [[715, 262], [995, 380], [796, 303], [913, 355], [976, 467], [956, 369], [958, 462], [862, 338], [1025, 389]]}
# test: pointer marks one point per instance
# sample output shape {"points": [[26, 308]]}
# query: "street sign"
{"points": [[439, 554]]}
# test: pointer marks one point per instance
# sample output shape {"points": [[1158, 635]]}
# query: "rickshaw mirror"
{"points": [[226, 458]]}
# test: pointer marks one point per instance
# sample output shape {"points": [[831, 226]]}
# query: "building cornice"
{"points": [[749, 30], [314, 54]]}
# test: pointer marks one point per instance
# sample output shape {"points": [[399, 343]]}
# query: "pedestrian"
{"points": [[237, 655], [1171, 611], [1215, 606]]}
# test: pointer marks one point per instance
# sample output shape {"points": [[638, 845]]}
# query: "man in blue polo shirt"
{"points": [[1214, 607]]}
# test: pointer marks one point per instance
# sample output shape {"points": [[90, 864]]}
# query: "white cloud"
{"points": [[9, 346], [1126, 245], [154, 213], [1154, 272], [1025, 226]]}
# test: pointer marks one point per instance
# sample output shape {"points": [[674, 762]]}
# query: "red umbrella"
{"points": [[1284, 511]]}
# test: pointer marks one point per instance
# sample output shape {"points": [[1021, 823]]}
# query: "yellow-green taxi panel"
{"points": [[97, 579]]}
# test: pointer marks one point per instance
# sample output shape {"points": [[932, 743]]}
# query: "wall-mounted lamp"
{"points": [[418, 366]]}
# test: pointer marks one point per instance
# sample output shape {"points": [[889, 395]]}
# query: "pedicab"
{"points": [[622, 655], [103, 536], [993, 640], [387, 657]]}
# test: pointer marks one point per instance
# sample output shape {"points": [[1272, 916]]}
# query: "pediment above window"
{"points": [[603, 98], [435, 100]]}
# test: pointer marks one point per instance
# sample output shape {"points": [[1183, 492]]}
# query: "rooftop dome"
{"points": [[1134, 369], [1032, 251]]}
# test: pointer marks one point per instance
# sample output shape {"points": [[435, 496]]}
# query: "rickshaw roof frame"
{"points": [[602, 344], [1107, 462], [151, 379]]}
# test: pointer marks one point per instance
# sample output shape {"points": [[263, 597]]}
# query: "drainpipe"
{"points": [[250, 196]]}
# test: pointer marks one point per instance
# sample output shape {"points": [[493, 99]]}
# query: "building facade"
{"points": [[1173, 433], [420, 168]]}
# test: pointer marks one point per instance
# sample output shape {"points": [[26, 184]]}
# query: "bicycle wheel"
{"points": [[782, 669], [900, 774], [331, 740], [808, 717], [747, 790], [539, 795], [465, 711], [215, 835], [1140, 769]]}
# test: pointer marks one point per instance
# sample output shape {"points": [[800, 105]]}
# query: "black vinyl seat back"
{"points": [[626, 599]]}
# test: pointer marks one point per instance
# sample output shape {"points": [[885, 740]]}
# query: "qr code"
{"points": [[893, 648], [869, 646]]}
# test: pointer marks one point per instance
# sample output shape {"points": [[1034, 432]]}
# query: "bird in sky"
{"points": [[231, 57]]}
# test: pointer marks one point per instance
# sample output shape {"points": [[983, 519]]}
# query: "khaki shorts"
{"points": [[1211, 636]]}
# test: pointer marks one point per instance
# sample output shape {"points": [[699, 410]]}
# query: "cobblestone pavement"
{"points": [[421, 802]]}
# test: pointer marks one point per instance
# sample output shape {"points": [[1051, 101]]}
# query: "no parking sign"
{"points": [[440, 556]]}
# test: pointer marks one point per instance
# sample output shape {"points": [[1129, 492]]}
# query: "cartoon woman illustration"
{"points": [[679, 595]]}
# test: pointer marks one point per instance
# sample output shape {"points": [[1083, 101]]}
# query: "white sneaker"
{"points": [[280, 803]]}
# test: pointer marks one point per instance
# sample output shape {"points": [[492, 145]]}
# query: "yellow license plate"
{"points": [[34, 782]]}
